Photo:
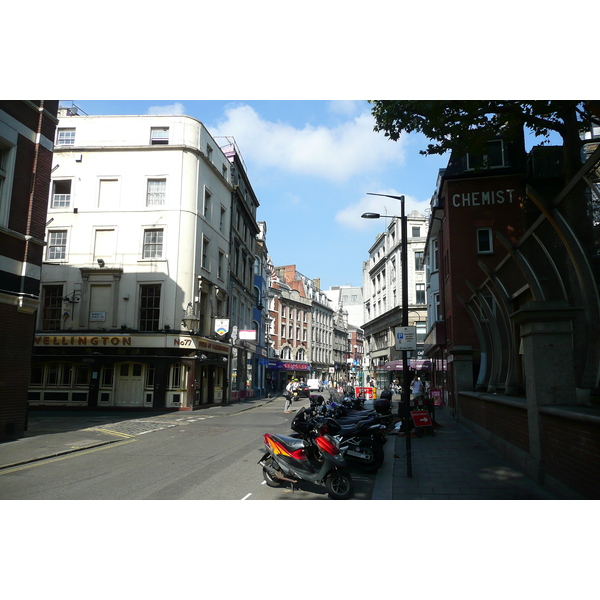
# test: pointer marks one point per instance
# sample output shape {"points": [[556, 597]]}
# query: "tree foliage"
{"points": [[465, 125]]}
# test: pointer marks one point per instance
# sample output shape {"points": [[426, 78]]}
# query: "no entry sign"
{"points": [[421, 418]]}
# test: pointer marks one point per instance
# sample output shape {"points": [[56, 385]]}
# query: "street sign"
{"points": [[406, 338], [421, 418]]}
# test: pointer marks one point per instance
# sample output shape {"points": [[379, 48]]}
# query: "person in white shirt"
{"points": [[416, 388], [290, 388]]}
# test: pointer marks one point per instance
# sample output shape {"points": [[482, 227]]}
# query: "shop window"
{"points": [[107, 376], [36, 376], [178, 377], [149, 377]]}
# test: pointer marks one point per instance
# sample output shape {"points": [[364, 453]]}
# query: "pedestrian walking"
{"points": [[290, 388]]}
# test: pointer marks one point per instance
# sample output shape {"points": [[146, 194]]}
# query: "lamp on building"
{"points": [[405, 371], [190, 321]]}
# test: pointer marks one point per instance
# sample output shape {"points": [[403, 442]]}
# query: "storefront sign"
{"points": [[482, 198], [82, 340], [134, 341], [221, 326]]}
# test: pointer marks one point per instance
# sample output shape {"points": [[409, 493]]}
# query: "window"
{"points": [[178, 378], [205, 242], [222, 220], [7, 164], [52, 307], [484, 241], [209, 152], [108, 193], [57, 245], [66, 136], [437, 307], [61, 194], [153, 243], [156, 192], [150, 307], [416, 232], [434, 255], [207, 197], [492, 158], [418, 261], [224, 167], [159, 136], [220, 268], [420, 293]]}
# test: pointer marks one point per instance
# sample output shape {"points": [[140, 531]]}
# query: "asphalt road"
{"points": [[211, 455]]}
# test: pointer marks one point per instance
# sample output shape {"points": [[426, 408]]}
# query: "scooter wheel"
{"points": [[270, 481], [376, 457], [339, 485]]}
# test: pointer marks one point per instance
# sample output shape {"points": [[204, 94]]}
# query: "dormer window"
{"points": [[159, 136], [493, 158]]}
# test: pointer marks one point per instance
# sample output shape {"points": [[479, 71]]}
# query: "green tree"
{"points": [[465, 125]]}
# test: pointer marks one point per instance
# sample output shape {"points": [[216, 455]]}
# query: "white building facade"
{"points": [[382, 292], [138, 237]]}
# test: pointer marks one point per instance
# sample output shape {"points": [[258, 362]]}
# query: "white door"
{"points": [[129, 384]]}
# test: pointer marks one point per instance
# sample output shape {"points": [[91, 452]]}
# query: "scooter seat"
{"points": [[290, 443]]}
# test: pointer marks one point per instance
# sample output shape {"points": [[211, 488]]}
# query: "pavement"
{"points": [[452, 464]]}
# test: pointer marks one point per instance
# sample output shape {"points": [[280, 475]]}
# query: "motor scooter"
{"points": [[314, 457]]}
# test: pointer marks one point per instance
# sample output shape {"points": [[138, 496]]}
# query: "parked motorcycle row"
{"points": [[328, 440]]}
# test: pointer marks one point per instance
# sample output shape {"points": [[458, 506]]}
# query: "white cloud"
{"points": [[346, 108], [333, 153], [170, 109], [351, 215]]}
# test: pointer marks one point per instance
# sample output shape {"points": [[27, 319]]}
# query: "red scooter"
{"points": [[315, 458]]}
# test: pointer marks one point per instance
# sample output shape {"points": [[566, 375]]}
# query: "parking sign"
{"points": [[406, 338]]}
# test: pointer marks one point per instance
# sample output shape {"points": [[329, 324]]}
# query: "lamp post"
{"points": [[404, 279]]}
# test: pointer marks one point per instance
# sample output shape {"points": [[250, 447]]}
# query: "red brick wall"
{"points": [[571, 453], [507, 422], [459, 245]]}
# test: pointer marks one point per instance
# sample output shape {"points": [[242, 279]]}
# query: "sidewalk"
{"points": [[453, 464]]}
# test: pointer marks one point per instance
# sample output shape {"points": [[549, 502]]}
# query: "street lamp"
{"points": [[405, 372], [190, 320]]}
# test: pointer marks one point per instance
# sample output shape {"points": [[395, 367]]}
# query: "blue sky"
{"points": [[311, 164]]}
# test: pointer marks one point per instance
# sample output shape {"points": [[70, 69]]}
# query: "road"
{"points": [[208, 455]]}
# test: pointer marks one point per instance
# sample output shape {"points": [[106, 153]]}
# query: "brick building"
{"points": [[27, 131]]}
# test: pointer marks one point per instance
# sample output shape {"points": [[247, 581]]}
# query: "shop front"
{"points": [[132, 371], [279, 372]]}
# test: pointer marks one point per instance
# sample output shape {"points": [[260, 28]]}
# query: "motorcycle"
{"points": [[361, 443], [314, 456]]}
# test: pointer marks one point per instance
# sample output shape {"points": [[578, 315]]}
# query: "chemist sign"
{"points": [[406, 338]]}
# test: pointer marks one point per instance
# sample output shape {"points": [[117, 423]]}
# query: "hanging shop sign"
{"points": [[221, 326]]}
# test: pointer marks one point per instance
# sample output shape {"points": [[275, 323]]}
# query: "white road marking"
{"points": [[247, 496]]}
